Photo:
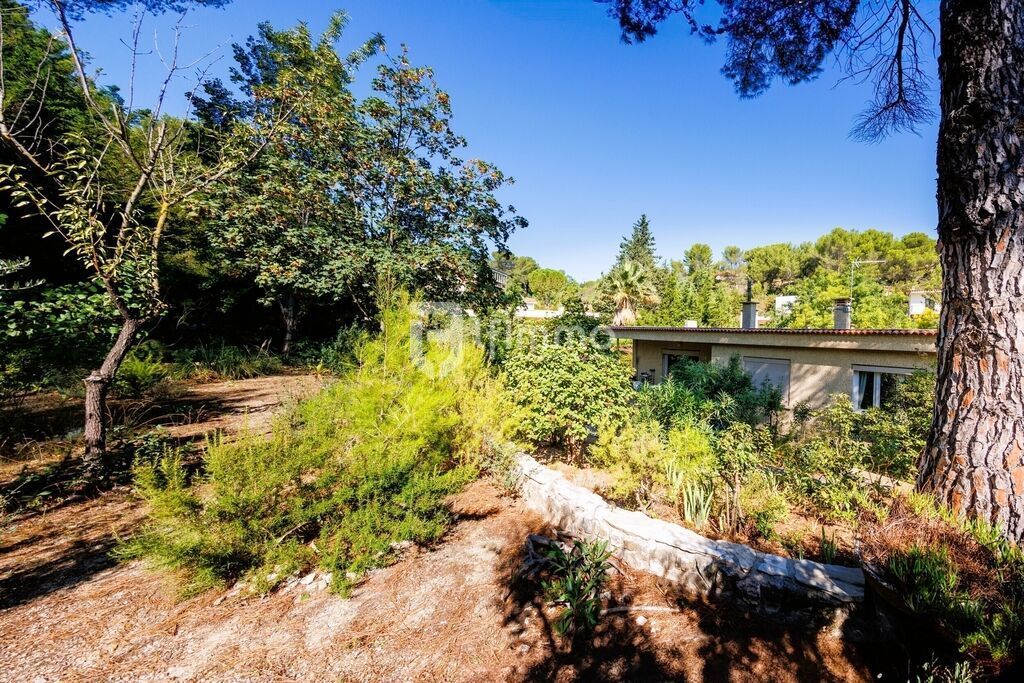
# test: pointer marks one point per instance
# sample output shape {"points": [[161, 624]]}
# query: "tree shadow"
{"points": [[62, 482], [76, 563], [702, 641], [618, 650]]}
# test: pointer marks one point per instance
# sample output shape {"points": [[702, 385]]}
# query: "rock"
{"points": [[523, 649], [641, 620], [307, 579]]}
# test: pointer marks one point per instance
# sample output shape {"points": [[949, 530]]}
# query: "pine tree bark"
{"points": [[974, 458], [97, 384]]}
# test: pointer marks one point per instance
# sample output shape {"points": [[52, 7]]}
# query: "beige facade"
{"points": [[812, 364]]}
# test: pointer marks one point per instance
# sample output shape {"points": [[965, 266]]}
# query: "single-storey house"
{"points": [[807, 365]]}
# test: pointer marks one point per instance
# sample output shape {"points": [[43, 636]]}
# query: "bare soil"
{"points": [[453, 612]]}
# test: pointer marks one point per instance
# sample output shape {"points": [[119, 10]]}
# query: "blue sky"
{"points": [[596, 132]]}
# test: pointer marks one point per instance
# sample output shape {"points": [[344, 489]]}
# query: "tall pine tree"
{"points": [[639, 246]]}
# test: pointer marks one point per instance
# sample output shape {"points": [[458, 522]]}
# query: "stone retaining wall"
{"points": [[769, 584]]}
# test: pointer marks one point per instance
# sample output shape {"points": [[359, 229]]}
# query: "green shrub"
{"points": [[763, 502], [709, 392], [566, 390], [824, 466], [222, 361], [349, 474], [142, 369], [636, 455], [739, 449], [337, 356], [896, 432], [577, 579]]}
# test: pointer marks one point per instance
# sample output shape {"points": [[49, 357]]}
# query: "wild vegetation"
{"points": [[268, 226], [344, 479]]}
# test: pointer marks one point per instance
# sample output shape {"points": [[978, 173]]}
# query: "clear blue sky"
{"points": [[596, 132]]}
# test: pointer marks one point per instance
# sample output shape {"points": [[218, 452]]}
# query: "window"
{"points": [[774, 371], [873, 387]]}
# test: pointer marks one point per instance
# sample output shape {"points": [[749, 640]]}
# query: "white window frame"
{"points": [[784, 391], [876, 384]]}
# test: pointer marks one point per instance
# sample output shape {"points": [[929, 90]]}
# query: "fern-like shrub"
{"points": [[347, 476]]}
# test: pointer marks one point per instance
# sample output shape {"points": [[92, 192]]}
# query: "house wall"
{"points": [[815, 371]]}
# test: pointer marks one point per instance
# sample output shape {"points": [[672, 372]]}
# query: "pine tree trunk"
{"points": [[97, 384], [973, 459]]}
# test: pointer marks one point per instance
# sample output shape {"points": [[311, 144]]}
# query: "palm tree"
{"points": [[629, 285]]}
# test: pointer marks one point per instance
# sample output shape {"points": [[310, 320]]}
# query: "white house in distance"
{"points": [[920, 301], [530, 311]]}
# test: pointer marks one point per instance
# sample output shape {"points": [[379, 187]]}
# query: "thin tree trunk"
{"points": [[288, 314], [97, 384], [973, 459]]}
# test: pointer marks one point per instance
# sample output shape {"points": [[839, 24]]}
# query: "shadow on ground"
{"points": [[683, 639], [76, 563]]}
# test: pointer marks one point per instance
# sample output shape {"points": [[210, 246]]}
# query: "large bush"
{"points": [[566, 390], [351, 473], [709, 392], [896, 432]]}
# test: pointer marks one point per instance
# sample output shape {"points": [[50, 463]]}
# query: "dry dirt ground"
{"points": [[453, 612]]}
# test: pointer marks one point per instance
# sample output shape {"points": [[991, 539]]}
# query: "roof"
{"points": [[778, 330]]}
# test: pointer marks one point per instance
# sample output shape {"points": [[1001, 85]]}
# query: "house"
{"points": [[807, 365], [532, 310], [919, 301]]}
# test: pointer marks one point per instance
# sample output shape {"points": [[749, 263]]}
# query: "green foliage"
{"points": [[718, 394], [636, 455], [284, 222], [577, 579], [823, 466], [739, 449], [628, 287], [896, 432], [566, 390], [142, 370], [549, 286], [763, 501], [639, 247], [829, 547], [337, 356], [220, 360], [364, 465]]}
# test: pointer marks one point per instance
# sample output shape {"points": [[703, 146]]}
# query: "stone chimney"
{"points": [[843, 314], [749, 317]]}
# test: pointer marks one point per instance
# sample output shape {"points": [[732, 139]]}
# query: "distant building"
{"points": [[531, 311], [784, 304], [501, 278], [918, 302]]}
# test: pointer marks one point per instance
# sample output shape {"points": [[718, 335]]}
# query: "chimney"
{"points": [[843, 314], [749, 317]]}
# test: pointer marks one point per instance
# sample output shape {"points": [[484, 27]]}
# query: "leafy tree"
{"points": [[639, 246], [284, 223], [704, 298], [974, 459], [518, 268], [430, 218], [627, 287], [108, 197], [548, 285]]}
